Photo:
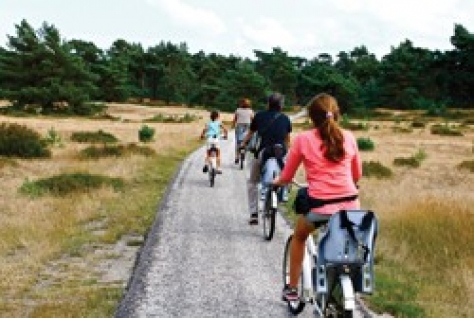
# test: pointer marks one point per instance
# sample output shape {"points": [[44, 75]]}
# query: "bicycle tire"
{"points": [[269, 216], [242, 158], [335, 305], [212, 177], [296, 307], [269, 223]]}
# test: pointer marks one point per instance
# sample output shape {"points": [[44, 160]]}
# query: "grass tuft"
{"points": [[93, 137], [467, 165], [445, 130], [95, 152], [65, 184], [376, 169]]}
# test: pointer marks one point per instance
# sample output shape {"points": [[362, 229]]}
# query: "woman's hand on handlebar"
{"points": [[278, 182]]}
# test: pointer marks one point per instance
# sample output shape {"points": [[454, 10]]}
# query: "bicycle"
{"points": [[337, 266], [212, 143], [269, 194], [241, 130]]}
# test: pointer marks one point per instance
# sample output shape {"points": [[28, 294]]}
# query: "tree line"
{"points": [[40, 70]]}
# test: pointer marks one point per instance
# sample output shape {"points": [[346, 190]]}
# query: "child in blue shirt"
{"points": [[212, 132]]}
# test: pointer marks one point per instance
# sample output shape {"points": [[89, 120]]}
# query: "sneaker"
{"points": [[289, 294], [205, 169], [253, 219], [218, 171]]}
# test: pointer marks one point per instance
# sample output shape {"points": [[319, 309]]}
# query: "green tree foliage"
{"points": [[243, 81], [320, 76], [461, 61], [39, 71], [280, 72]]}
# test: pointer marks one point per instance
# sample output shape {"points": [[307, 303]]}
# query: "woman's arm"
{"points": [[293, 161], [356, 164]]}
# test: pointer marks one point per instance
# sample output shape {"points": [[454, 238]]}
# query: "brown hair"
{"points": [[214, 115], [324, 113], [246, 103]]}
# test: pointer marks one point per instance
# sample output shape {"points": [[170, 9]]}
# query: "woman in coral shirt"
{"points": [[332, 162]]}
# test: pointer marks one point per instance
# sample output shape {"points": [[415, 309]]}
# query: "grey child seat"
{"points": [[348, 241]]}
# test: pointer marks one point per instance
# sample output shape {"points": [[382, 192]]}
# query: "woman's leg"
{"points": [[302, 230]]}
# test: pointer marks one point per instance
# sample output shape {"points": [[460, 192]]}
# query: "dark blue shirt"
{"points": [[274, 133]]}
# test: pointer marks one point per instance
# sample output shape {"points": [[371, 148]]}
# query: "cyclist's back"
{"points": [[273, 127]]}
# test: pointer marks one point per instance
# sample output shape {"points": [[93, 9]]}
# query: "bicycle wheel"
{"points": [[294, 307], [242, 159], [269, 223], [335, 304], [212, 176], [269, 216]]}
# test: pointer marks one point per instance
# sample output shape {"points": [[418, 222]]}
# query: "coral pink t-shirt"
{"points": [[326, 180]]}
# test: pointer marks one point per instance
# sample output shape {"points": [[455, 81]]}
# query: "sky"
{"points": [[303, 28]]}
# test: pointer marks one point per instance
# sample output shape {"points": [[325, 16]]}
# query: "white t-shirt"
{"points": [[243, 115]]}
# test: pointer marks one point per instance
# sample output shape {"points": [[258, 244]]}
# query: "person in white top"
{"points": [[242, 118]]}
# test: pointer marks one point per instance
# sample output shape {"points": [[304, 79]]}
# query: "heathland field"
{"points": [[69, 251], [425, 256], [66, 248]]}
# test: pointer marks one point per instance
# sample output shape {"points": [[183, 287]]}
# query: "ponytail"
{"points": [[324, 113]]}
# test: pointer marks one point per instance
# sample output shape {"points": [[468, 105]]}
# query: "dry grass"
{"points": [[426, 216], [38, 231]]}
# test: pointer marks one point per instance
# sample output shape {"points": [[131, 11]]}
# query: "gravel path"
{"points": [[201, 258]]}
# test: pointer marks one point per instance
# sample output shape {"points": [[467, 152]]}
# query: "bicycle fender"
{"points": [[348, 292], [274, 200]]}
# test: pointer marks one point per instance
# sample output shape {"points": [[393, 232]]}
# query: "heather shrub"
{"points": [[93, 137], [20, 141]]}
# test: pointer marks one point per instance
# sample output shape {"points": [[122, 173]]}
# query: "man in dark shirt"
{"points": [[274, 127]]}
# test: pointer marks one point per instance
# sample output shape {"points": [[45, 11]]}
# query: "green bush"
{"points": [[88, 109], [365, 144], [160, 118], [445, 130], [20, 141], [418, 124], [413, 161], [146, 133], [375, 169], [94, 152], [401, 129], [406, 161], [467, 165], [65, 184], [93, 137]]}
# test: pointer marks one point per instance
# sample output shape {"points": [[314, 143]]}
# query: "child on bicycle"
{"points": [[212, 132], [333, 166]]}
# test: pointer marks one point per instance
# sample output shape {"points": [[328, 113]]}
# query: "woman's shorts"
{"points": [[317, 220]]}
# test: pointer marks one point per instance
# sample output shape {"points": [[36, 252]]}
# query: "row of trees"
{"points": [[38, 68]]}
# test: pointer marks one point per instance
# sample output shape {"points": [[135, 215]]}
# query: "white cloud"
{"points": [[184, 14], [267, 32]]}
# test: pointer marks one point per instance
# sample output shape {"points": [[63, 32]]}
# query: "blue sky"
{"points": [[302, 28]]}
